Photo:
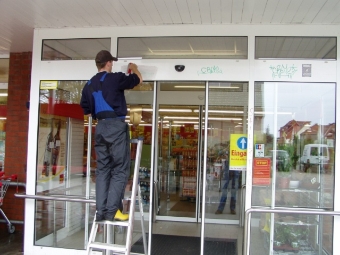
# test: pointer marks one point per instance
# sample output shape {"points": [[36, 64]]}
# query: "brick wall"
{"points": [[19, 83]]}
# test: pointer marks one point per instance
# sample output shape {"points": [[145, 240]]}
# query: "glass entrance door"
{"points": [[178, 160], [180, 150]]}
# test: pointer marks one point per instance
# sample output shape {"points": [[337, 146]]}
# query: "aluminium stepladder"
{"points": [[112, 248]]}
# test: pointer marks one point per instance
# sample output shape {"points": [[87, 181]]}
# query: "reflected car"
{"points": [[282, 160]]}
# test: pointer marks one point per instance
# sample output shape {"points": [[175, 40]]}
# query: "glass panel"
{"points": [[4, 69], [293, 234], [294, 151], [74, 49], [62, 156], [178, 129], [298, 47], [184, 47], [59, 171], [227, 120], [227, 123]]}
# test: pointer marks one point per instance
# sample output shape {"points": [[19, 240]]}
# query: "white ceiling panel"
{"points": [[259, 9], [215, 12], [174, 13], [326, 10], [236, 11], [121, 11], [205, 11], [226, 7], [291, 11], [302, 11], [247, 11], [279, 12], [269, 11], [152, 11], [18, 18], [163, 10], [110, 14], [132, 11], [313, 11], [183, 10], [194, 11]]}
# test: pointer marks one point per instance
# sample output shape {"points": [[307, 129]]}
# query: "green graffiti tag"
{"points": [[283, 71], [209, 70]]}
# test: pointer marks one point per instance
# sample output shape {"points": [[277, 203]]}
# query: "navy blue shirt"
{"points": [[113, 88]]}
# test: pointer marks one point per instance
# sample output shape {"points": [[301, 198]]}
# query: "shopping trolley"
{"points": [[4, 183]]}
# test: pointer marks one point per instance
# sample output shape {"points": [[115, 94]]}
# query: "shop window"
{"points": [[184, 47], [74, 49], [62, 158], [294, 162], [4, 69], [295, 47]]}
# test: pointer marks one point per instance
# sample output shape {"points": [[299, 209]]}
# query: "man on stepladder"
{"points": [[103, 99]]}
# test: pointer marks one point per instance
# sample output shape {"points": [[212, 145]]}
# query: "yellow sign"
{"points": [[48, 84], [238, 152]]}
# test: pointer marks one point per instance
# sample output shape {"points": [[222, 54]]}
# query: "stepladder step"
{"points": [[105, 246], [113, 223]]}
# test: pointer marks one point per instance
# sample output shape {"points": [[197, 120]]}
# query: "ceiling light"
{"points": [[175, 110], [283, 113], [221, 111], [186, 122], [203, 87], [181, 118], [189, 87], [3, 94], [224, 119], [131, 58], [166, 110], [173, 125]]}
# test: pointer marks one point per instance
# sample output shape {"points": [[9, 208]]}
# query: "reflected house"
{"points": [[320, 134], [307, 132], [292, 128]]}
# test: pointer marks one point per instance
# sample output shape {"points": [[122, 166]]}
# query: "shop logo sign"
{"points": [[210, 70], [280, 71]]}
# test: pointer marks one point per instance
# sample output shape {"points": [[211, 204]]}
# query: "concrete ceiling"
{"points": [[18, 18]]}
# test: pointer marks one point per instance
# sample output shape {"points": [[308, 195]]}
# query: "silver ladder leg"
{"points": [[145, 244], [107, 247]]}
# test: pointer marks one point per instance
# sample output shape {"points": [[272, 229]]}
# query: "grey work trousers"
{"points": [[112, 146]]}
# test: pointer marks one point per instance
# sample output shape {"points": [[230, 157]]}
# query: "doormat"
{"points": [[184, 206], [186, 245]]}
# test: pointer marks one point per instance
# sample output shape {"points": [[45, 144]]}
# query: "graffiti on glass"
{"points": [[283, 71], [210, 70]]}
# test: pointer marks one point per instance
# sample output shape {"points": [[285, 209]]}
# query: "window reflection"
{"points": [[294, 127], [62, 157], [74, 49]]}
